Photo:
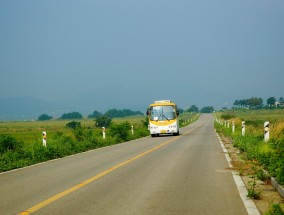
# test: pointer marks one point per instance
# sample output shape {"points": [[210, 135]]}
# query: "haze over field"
{"points": [[95, 55]]}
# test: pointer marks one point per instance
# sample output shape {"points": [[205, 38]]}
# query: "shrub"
{"points": [[73, 125], [274, 209], [120, 131], [8, 143], [227, 116], [103, 121]]}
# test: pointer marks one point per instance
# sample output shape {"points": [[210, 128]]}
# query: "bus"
{"points": [[163, 118]]}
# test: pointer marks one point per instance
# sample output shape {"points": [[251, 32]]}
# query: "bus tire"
{"points": [[176, 134]]}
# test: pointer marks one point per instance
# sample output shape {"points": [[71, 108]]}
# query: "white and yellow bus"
{"points": [[163, 118]]}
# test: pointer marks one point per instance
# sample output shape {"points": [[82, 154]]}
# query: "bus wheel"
{"points": [[176, 134]]}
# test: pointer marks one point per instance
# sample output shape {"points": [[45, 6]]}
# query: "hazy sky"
{"points": [[193, 51]]}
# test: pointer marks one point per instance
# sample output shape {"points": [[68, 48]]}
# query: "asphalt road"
{"points": [[187, 174]]}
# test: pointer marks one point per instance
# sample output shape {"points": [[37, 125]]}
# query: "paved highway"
{"points": [[187, 174]]}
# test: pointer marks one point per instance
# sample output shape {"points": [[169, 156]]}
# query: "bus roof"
{"points": [[163, 102]]}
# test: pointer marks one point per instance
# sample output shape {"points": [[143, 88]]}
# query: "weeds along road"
{"points": [[186, 174]]}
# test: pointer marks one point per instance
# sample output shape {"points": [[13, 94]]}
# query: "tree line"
{"points": [[115, 113], [195, 109], [257, 103], [112, 113]]}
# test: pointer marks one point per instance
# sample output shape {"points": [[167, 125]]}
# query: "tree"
{"points": [[249, 103], [44, 117], [255, 102], [193, 108], [114, 113], [103, 121], [208, 109], [95, 114], [180, 110], [271, 101], [73, 115]]}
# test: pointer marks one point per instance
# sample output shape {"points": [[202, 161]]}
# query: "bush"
{"points": [[274, 209], [227, 116], [8, 143], [74, 125], [120, 131], [103, 121]]}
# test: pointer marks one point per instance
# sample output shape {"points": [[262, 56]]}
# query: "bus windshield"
{"points": [[162, 113]]}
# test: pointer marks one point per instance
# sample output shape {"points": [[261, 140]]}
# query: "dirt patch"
{"points": [[268, 195]]}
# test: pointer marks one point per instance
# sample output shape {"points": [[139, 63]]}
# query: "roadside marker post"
{"points": [[44, 138], [132, 130], [233, 127], [228, 124], [243, 128], [266, 131], [104, 132]]}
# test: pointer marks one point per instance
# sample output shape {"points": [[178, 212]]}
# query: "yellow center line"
{"points": [[94, 178]]}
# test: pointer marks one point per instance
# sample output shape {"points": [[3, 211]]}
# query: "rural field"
{"points": [[21, 142]]}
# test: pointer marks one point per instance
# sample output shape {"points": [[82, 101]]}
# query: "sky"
{"points": [[199, 52]]}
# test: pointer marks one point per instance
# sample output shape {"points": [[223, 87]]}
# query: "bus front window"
{"points": [[162, 113]]}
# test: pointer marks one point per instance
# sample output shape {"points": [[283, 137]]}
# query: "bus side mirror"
{"points": [[177, 112], [148, 112]]}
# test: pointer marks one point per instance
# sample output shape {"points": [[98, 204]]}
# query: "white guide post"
{"points": [[104, 132], [266, 131], [44, 138], [233, 127], [243, 128], [132, 130]]}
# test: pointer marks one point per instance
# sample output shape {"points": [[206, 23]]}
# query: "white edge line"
{"points": [[249, 204]]}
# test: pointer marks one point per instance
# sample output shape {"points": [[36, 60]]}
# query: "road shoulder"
{"points": [[268, 194]]}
